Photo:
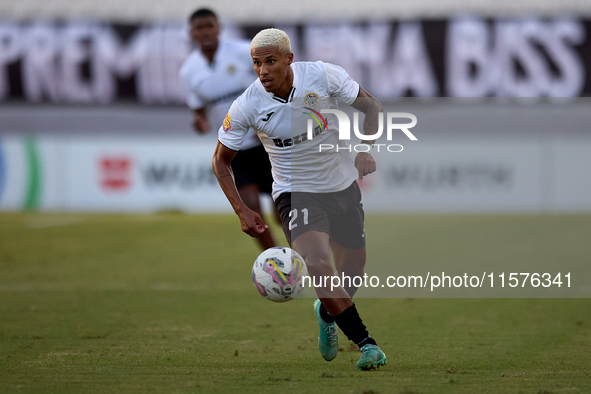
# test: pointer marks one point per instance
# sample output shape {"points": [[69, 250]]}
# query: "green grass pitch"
{"points": [[164, 303]]}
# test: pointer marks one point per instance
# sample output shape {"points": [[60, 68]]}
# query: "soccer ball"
{"points": [[277, 274]]}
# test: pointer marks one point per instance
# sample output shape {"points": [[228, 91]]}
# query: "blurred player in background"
{"points": [[213, 76], [317, 194]]}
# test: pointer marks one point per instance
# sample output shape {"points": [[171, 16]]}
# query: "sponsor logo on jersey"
{"points": [[315, 130], [268, 117], [227, 126], [311, 99]]}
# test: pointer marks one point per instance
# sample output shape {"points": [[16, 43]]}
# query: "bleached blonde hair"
{"points": [[272, 38]]}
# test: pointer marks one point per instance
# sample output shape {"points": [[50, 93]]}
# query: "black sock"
{"points": [[325, 315], [352, 325], [367, 341]]}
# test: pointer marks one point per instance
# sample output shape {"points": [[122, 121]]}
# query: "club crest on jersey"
{"points": [[226, 126], [231, 69], [311, 99]]}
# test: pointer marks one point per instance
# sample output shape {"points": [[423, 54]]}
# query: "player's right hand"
{"points": [[252, 223]]}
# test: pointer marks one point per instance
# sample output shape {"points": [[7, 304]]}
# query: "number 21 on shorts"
{"points": [[293, 214]]}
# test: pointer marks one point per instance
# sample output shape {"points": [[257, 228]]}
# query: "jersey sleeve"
{"points": [[234, 129], [192, 98], [340, 84]]}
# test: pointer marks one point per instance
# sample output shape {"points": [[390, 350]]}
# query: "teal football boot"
{"points": [[328, 341], [372, 357]]}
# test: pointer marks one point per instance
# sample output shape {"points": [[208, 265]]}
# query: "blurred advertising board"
{"points": [[92, 62], [150, 174]]}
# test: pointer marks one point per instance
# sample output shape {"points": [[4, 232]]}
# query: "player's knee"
{"points": [[358, 265], [355, 269], [319, 264]]}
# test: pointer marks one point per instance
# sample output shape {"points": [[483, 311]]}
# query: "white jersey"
{"points": [[282, 126], [215, 86]]}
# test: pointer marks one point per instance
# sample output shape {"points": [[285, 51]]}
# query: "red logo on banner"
{"points": [[365, 184], [115, 173]]}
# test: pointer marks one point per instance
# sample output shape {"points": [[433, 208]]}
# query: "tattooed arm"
{"points": [[371, 107], [251, 223]]}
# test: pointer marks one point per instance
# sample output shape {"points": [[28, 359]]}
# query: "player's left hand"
{"points": [[365, 164]]}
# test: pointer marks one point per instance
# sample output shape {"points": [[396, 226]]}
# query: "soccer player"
{"points": [[316, 192], [213, 76]]}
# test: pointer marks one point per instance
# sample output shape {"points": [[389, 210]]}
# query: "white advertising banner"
{"points": [[14, 174], [145, 175], [151, 174], [31, 173], [571, 176], [457, 177]]}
